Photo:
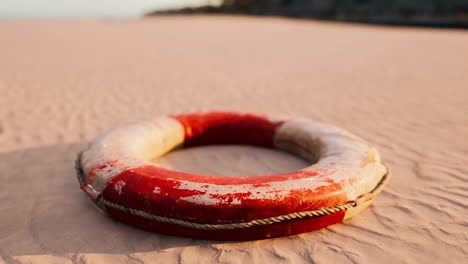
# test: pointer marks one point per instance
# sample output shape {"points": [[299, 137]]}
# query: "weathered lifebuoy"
{"points": [[115, 170]]}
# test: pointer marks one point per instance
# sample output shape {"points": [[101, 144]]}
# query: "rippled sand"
{"points": [[64, 82]]}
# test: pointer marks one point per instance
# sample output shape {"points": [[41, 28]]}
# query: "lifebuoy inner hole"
{"points": [[231, 161], [246, 129], [221, 128]]}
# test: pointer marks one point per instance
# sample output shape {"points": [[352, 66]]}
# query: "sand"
{"points": [[64, 82]]}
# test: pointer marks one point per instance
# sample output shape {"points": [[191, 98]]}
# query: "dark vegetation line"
{"points": [[427, 13]]}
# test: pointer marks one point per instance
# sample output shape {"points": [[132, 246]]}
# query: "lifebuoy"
{"points": [[116, 172]]}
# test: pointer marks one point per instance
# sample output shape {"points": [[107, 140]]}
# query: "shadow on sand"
{"points": [[45, 213]]}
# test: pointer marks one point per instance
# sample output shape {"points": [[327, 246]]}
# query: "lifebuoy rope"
{"points": [[101, 202]]}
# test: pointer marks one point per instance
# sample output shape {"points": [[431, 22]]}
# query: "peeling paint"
{"points": [[157, 190], [118, 186]]}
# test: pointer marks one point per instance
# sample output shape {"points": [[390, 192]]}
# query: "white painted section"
{"points": [[333, 145], [131, 146]]}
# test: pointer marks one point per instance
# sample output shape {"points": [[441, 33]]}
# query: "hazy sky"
{"points": [[87, 8]]}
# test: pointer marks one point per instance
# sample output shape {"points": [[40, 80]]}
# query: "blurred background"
{"points": [[91, 8], [64, 79], [438, 13]]}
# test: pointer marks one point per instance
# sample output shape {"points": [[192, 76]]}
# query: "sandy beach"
{"points": [[63, 82]]}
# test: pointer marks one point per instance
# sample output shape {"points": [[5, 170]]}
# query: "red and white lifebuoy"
{"points": [[115, 170]]}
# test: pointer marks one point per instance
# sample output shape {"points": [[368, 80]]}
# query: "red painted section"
{"points": [[258, 232], [227, 128], [138, 193], [155, 172]]}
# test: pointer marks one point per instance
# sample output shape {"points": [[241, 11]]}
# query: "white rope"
{"points": [[258, 222]]}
